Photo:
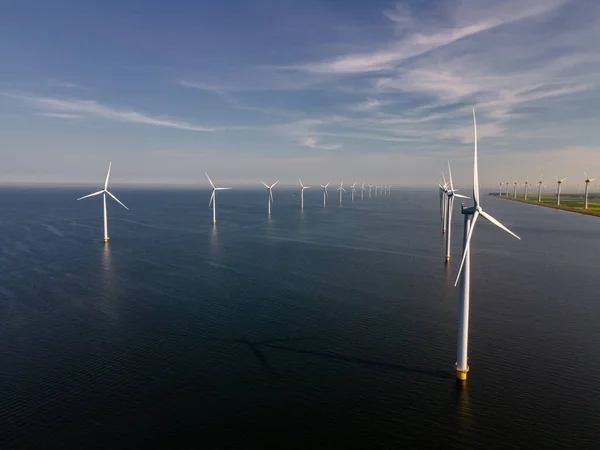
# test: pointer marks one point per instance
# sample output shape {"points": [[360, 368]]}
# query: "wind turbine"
{"points": [[302, 187], [389, 189], [515, 193], [341, 188], [325, 194], [104, 192], [558, 183], [450, 194], [353, 190], [526, 187], [362, 190], [213, 198], [370, 187], [588, 180], [540, 183], [270, 189], [464, 273], [443, 201], [501, 184]]}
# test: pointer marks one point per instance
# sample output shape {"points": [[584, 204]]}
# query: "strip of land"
{"points": [[568, 202]]}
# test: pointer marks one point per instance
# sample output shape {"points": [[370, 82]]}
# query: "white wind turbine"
{"points": [[213, 198], [353, 190], [526, 187], [450, 194], [325, 194], [341, 189], [558, 188], [104, 192], [588, 180], [515, 186], [302, 187], [370, 187], [540, 183], [501, 184], [270, 189], [443, 201], [389, 189], [464, 273], [362, 190]]}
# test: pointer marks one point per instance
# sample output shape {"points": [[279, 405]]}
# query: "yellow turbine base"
{"points": [[447, 259], [106, 240], [214, 222], [462, 374]]}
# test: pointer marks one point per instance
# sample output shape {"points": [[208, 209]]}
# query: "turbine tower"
{"points": [[270, 190], [588, 180], [526, 187], [540, 183], [558, 188], [362, 191], [213, 197], [515, 193], [450, 194], [302, 187], [325, 194], [464, 273], [341, 188], [104, 192], [353, 190], [370, 187], [501, 184], [443, 201]]}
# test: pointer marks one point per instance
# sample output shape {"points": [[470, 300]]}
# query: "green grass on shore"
{"points": [[568, 202]]}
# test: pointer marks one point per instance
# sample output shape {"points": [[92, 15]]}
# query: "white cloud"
{"points": [[312, 142], [67, 108], [60, 115]]}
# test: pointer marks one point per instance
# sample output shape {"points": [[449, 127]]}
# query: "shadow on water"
{"points": [[353, 359], [274, 344]]}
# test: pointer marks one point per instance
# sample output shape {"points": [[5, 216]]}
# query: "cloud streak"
{"points": [[312, 142], [67, 109]]}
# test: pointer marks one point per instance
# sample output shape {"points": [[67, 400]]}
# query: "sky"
{"points": [[380, 91]]}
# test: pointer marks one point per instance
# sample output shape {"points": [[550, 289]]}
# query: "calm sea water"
{"points": [[335, 328]]}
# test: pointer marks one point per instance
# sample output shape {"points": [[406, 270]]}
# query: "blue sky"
{"points": [[268, 89]]}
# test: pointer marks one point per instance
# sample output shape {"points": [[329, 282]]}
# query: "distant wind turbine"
{"points": [[558, 188], [341, 189], [450, 194], [501, 184], [443, 201], [353, 190], [302, 187], [104, 192], [526, 187], [362, 190], [588, 180], [213, 198], [370, 187], [540, 183], [270, 190], [325, 194], [471, 214], [515, 193]]}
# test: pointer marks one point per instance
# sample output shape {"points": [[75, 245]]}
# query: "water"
{"points": [[335, 328]]}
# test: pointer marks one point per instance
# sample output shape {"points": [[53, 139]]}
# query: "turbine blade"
{"points": [[273, 185], [271, 196], [497, 223], [475, 172], [211, 198], [265, 185], [300, 182], [107, 175], [223, 189], [461, 196], [91, 195], [450, 176], [467, 245], [209, 180], [118, 201]]}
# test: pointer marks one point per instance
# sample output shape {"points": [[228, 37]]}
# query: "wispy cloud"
{"points": [[421, 37], [312, 142], [66, 109], [59, 115], [368, 105]]}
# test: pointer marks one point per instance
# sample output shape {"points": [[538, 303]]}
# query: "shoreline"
{"points": [[574, 209]]}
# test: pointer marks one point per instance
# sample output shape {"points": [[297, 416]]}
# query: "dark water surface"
{"points": [[334, 328]]}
